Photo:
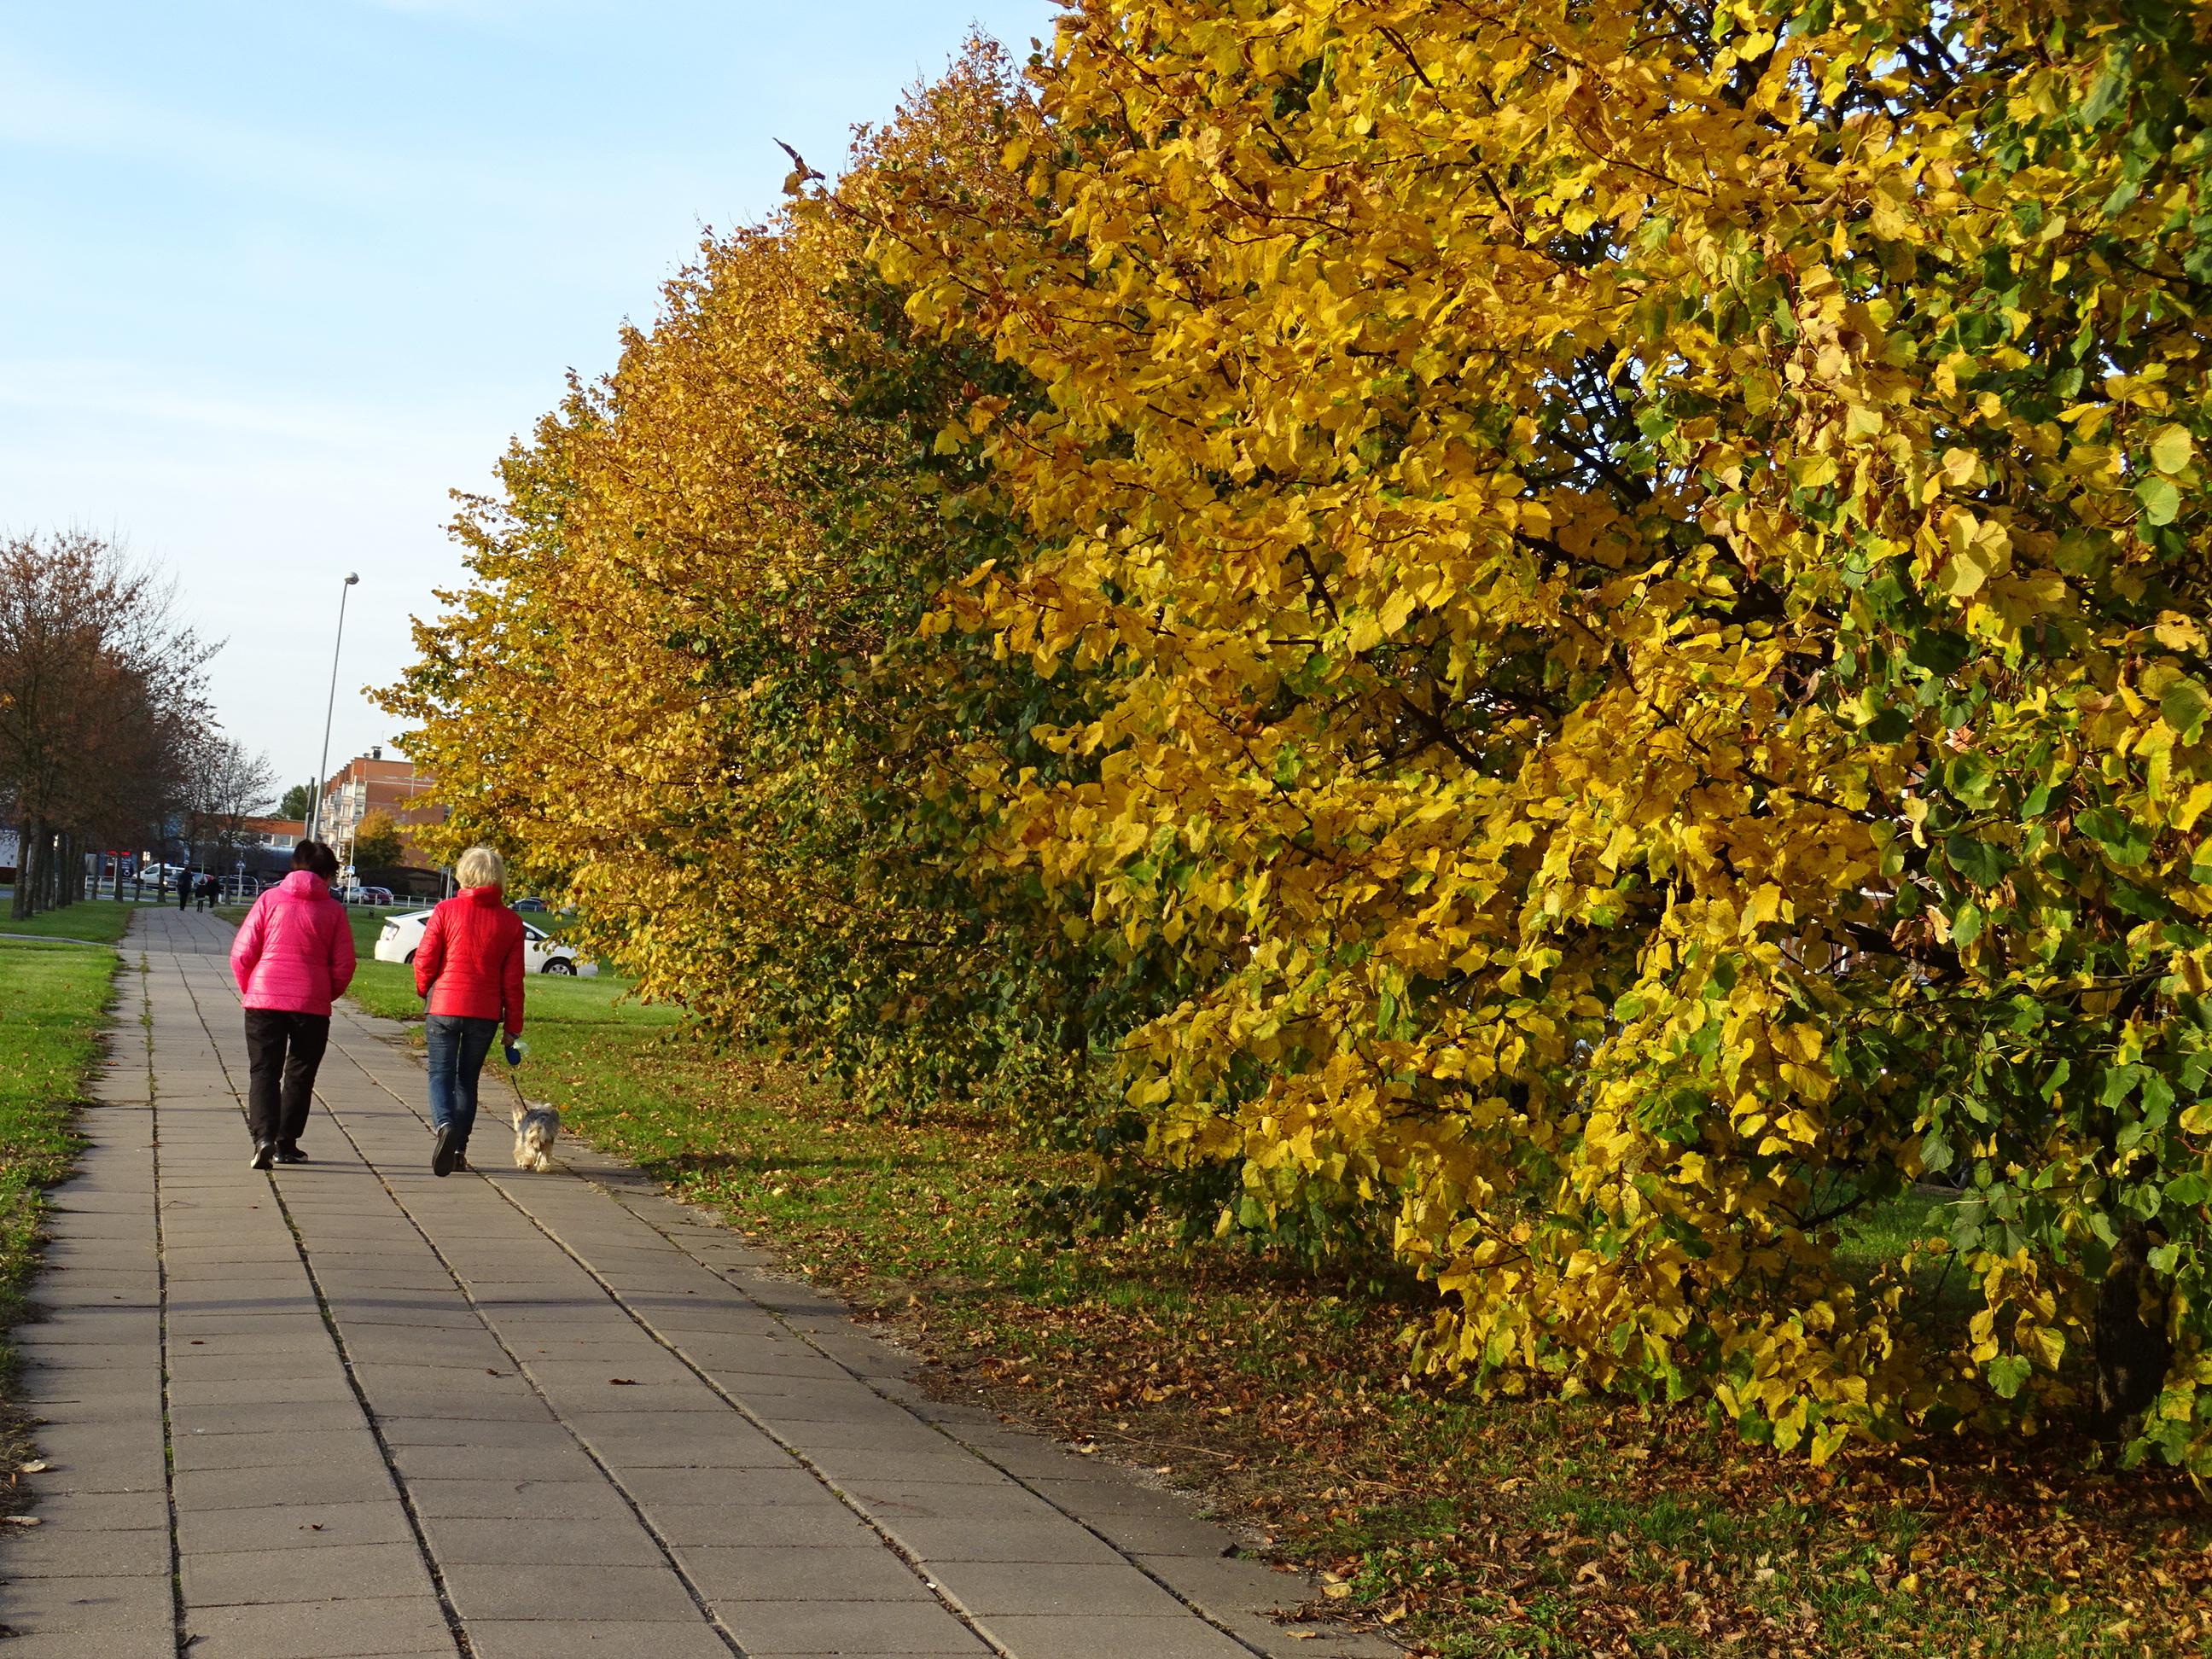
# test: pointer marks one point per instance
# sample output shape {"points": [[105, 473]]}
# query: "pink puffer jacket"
{"points": [[295, 950]]}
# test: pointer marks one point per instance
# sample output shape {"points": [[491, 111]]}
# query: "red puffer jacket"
{"points": [[469, 960]]}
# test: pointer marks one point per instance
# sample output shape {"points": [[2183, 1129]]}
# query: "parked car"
{"points": [[542, 952], [530, 906], [365, 896]]}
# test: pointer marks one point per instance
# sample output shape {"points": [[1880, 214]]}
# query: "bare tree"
{"points": [[224, 787]]}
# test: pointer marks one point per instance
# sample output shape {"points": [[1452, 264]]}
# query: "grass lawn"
{"points": [[94, 918], [55, 997], [1471, 1526], [553, 1001]]}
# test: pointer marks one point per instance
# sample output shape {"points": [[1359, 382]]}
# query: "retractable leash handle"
{"points": [[516, 1048]]}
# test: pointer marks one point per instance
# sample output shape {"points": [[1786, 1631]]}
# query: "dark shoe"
{"points": [[265, 1154], [460, 1163], [448, 1152], [288, 1152]]}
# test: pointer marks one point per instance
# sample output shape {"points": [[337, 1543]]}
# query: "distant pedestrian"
{"points": [[183, 889], [292, 959], [469, 964]]}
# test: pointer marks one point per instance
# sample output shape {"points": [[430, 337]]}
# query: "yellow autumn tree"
{"points": [[1575, 636], [690, 685], [1646, 565]]}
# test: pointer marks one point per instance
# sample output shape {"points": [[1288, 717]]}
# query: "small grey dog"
{"points": [[537, 1127]]}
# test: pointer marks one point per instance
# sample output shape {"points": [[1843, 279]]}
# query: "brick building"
{"points": [[278, 835], [369, 783]]}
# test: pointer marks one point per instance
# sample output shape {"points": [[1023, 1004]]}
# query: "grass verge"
{"points": [[103, 920], [55, 997], [1470, 1526]]}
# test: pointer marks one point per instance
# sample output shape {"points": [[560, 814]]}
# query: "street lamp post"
{"points": [[315, 808]]}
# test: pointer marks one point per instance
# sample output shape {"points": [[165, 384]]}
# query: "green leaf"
{"points": [[2110, 87], [1935, 1153], [2126, 842], [2008, 1372], [1969, 776], [2189, 1187], [1939, 651], [1975, 858], [2161, 502], [2184, 705]]}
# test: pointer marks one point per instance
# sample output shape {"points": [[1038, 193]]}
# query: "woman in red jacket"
{"points": [[470, 966]]}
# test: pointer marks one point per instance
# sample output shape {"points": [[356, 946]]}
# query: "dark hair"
{"points": [[315, 856]]}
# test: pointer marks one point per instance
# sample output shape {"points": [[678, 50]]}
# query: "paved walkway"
{"points": [[347, 1409]]}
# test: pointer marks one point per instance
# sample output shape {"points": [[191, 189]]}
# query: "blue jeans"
{"points": [[457, 1047]]}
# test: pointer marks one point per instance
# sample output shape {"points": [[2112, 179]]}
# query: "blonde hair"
{"points": [[480, 867]]}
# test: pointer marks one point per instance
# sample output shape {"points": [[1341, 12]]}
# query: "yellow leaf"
{"points": [[2171, 448]]}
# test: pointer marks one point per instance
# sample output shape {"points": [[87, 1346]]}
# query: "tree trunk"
{"points": [[2133, 1350], [69, 873], [27, 869]]}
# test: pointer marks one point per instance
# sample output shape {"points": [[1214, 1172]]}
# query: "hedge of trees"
{"points": [[1562, 644], [106, 736]]}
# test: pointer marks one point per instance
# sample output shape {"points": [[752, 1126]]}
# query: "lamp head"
{"points": [[350, 580]]}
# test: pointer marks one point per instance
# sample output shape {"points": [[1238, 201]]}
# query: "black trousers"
{"points": [[283, 1051]]}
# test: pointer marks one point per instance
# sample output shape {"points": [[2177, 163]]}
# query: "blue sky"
{"points": [[281, 274]]}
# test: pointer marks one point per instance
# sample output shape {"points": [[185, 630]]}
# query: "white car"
{"points": [[542, 953]]}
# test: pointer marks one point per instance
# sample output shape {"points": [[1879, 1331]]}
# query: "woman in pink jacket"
{"points": [[292, 959]]}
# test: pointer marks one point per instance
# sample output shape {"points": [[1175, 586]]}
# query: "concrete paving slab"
{"points": [[1136, 1520], [71, 1513], [492, 1638], [692, 1526], [1050, 1637], [255, 1577], [891, 1628], [535, 1434], [1061, 1589], [353, 1629], [1044, 1538], [537, 1543], [517, 1500], [94, 1644], [289, 1526], [861, 1571], [634, 1594], [46, 1554], [69, 1605]]}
